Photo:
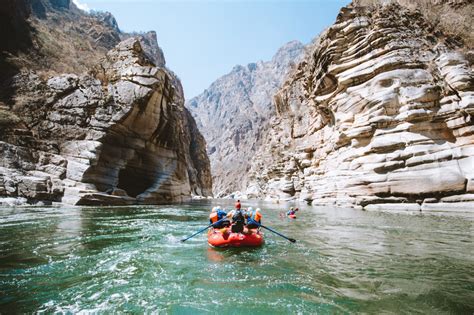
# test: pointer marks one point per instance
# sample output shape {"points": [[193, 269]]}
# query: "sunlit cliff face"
{"points": [[380, 111]]}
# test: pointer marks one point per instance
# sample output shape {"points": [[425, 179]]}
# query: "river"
{"points": [[130, 259]]}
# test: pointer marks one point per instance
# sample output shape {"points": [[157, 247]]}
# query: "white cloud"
{"points": [[81, 6]]}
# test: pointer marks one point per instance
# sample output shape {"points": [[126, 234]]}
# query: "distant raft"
{"points": [[225, 238], [292, 216]]}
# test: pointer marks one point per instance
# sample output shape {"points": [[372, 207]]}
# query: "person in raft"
{"points": [[238, 218], [291, 211], [253, 217], [216, 215]]}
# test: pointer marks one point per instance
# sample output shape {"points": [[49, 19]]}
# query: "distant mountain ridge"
{"points": [[233, 112]]}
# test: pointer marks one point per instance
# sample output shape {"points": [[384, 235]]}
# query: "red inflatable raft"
{"points": [[225, 238], [292, 216]]}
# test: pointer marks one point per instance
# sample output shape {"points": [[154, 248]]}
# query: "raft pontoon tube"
{"points": [[226, 238]]}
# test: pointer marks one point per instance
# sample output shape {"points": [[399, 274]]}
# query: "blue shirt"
{"points": [[221, 214]]}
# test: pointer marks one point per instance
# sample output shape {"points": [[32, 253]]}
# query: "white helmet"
{"points": [[258, 210], [214, 209], [249, 209]]}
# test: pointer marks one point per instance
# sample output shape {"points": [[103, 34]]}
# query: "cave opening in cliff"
{"points": [[134, 179]]}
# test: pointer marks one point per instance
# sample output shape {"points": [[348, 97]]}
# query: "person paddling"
{"points": [[254, 218], [238, 218], [291, 211], [216, 216]]}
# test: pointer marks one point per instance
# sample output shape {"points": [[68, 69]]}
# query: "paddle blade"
{"points": [[292, 240]]}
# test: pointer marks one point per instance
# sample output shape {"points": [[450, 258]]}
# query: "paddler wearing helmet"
{"points": [[217, 214], [291, 211], [238, 218], [253, 217]]}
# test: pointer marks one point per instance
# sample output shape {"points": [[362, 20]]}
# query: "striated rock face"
{"points": [[233, 112], [119, 134], [380, 111], [125, 138]]}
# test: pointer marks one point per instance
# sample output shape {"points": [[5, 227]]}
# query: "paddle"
{"points": [[200, 231], [271, 230]]}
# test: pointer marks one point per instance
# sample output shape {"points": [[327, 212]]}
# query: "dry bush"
{"points": [[454, 17], [8, 118]]}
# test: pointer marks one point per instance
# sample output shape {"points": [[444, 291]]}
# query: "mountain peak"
{"points": [[288, 51]]}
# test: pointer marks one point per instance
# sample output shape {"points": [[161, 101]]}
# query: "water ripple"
{"points": [[131, 259]]}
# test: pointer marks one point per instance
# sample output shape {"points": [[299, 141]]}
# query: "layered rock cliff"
{"points": [[234, 111], [380, 112], [117, 133]]}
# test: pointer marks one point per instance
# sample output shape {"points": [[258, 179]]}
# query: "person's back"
{"points": [[238, 221]]}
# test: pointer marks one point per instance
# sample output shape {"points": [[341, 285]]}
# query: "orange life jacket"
{"points": [[213, 217], [256, 216]]}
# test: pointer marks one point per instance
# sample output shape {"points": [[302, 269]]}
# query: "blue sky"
{"points": [[203, 40]]}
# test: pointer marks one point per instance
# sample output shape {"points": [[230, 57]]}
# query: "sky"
{"points": [[204, 39]]}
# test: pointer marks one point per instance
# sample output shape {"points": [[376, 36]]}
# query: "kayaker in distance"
{"points": [[292, 211], [216, 215]]}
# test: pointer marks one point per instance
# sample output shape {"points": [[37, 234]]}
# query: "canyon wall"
{"points": [[233, 113], [378, 115], [115, 134]]}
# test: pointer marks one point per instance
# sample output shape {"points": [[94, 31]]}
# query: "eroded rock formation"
{"points": [[233, 113], [119, 134], [380, 112]]}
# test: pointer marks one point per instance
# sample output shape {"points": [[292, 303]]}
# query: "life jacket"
{"points": [[238, 217], [291, 212], [217, 216], [213, 217], [255, 216], [238, 205]]}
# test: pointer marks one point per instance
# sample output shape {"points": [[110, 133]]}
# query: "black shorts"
{"points": [[237, 228]]}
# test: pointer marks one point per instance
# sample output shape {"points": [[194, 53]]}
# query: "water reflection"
{"points": [[215, 255], [68, 232]]}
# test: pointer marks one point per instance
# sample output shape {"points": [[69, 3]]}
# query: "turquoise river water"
{"points": [[130, 259]]}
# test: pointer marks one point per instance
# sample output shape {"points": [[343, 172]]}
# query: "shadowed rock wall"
{"points": [[118, 134]]}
